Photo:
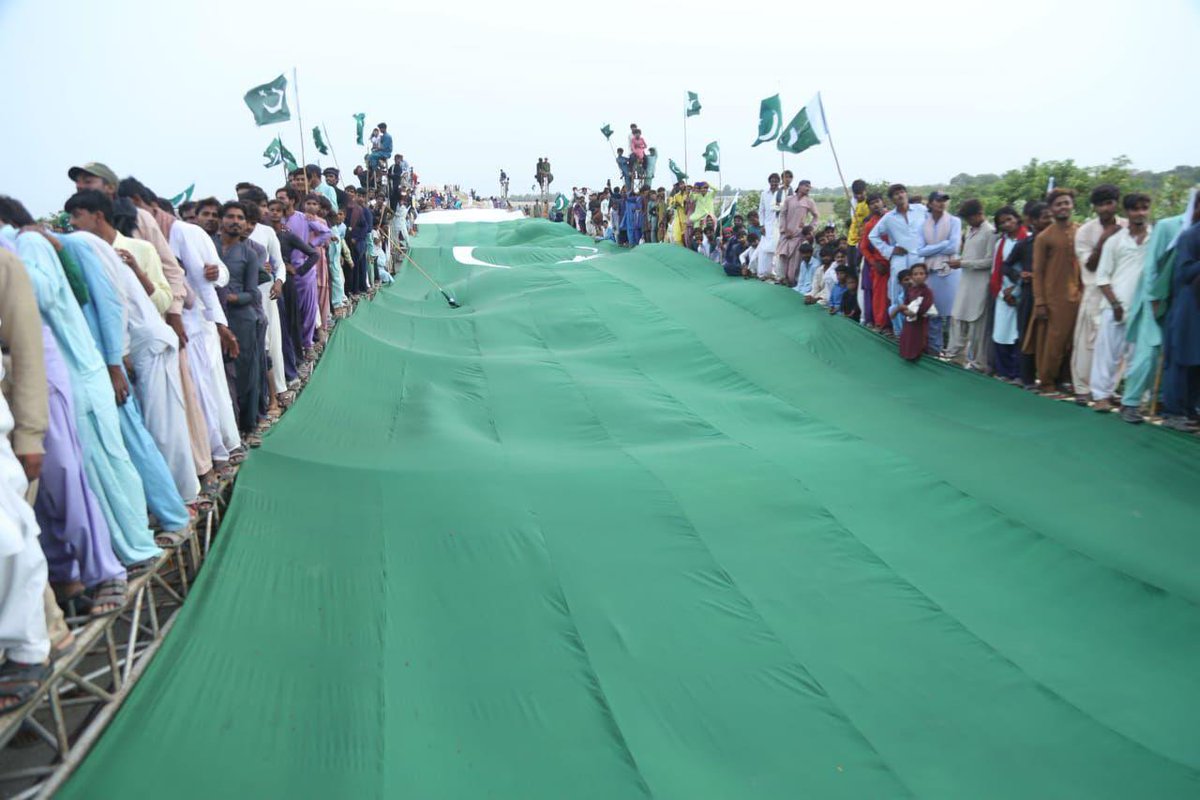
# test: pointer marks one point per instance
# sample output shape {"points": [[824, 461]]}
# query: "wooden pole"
{"points": [[1158, 373], [332, 152], [836, 163], [300, 122]]}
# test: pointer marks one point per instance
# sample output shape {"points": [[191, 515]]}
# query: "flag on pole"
{"points": [[680, 175], [360, 120], [560, 202], [806, 129], [712, 157], [183, 196], [726, 218], [268, 103], [693, 104], [770, 118], [277, 154], [607, 131], [319, 141]]}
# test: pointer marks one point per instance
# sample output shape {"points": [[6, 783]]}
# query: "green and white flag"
{"points": [[712, 157], [268, 103], [770, 118], [726, 218], [319, 141], [806, 129], [560, 202], [693, 104], [607, 131], [183, 196], [277, 154], [360, 121], [680, 175]]}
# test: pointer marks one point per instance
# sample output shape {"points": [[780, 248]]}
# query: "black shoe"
{"points": [[1131, 415]]}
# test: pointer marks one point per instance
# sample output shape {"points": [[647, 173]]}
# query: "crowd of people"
{"points": [[146, 349], [1103, 312]]}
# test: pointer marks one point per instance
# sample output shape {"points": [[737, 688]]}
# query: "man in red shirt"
{"points": [[877, 266]]}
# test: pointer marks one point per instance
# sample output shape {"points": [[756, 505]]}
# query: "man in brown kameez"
{"points": [[1057, 290]]}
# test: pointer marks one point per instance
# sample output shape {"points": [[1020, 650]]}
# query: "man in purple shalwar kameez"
{"points": [[310, 228]]}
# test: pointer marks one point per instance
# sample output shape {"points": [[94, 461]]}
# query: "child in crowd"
{"points": [[734, 246], [753, 226], [918, 300], [837, 292], [819, 291], [850, 307], [806, 270], [749, 256], [904, 278]]}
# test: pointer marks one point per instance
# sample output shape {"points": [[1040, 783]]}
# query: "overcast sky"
{"points": [[917, 92]]}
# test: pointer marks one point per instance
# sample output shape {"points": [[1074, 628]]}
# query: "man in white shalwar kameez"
{"points": [[23, 636], [769, 204], [204, 323]]}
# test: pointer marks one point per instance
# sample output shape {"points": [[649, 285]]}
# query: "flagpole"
{"points": [[300, 122], [836, 163], [685, 144], [331, 150]]}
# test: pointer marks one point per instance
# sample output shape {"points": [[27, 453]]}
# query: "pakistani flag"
{"points": [[319, 141], [770, 117], [807, 129], [183, 196], [607, 131], [693, 104], [277, 154], [360, 120], [726, 218], [680, 175], [712, 157], [268, 103], [560, 202]]}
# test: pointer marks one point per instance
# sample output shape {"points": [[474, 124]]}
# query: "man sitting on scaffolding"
{"points": [[384, 151]]}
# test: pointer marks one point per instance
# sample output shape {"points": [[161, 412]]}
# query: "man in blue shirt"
{"points": [[385, 148], [904, 227]]}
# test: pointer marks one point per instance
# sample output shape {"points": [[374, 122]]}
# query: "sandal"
{"points": [[63, 647], [138, 567], [170, 538], [111, 593], [20, 682]]}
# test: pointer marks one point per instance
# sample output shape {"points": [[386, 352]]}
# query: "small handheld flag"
{"points": [[360, 120], [693, 104]]}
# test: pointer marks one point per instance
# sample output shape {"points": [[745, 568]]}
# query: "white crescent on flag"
{"points": [[275, 109], [466, 256]]}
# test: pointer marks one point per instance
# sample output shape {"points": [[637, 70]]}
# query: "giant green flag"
{"points": [[712, 157], [360, 121], [770, 118], [277, 154], [693, 104], [805, 130], [319, 141], [268, 103], [619, 613], [680, 175]]}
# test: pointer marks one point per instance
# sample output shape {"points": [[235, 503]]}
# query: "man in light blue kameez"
{"points": [[1148, 310], [110, 471]]}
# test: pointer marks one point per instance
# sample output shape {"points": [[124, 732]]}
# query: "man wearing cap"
{"points": [[332, 176], [94, 175], [942, 233]]}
